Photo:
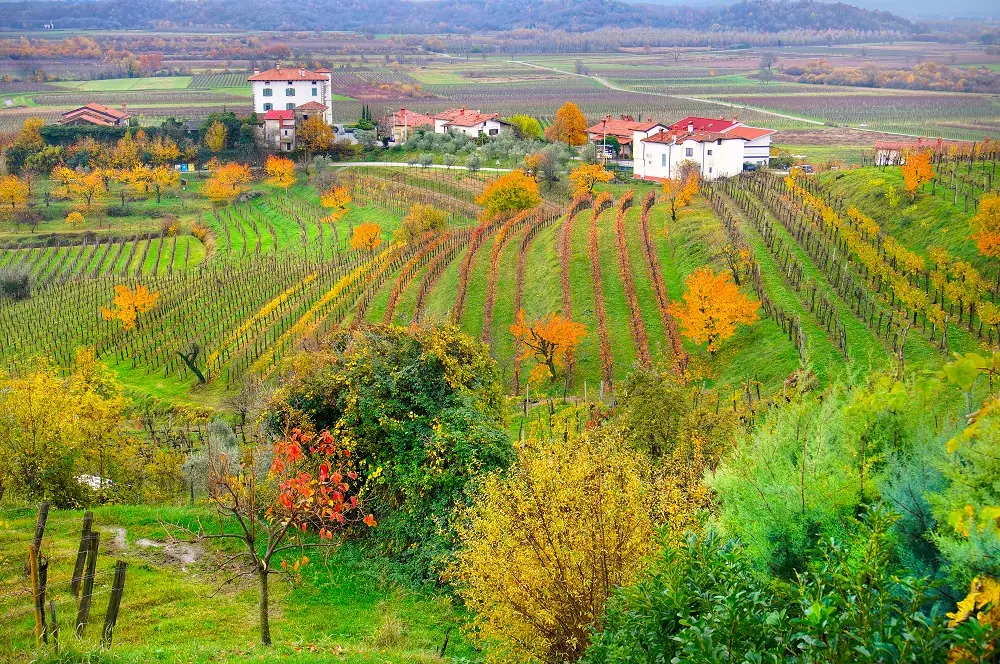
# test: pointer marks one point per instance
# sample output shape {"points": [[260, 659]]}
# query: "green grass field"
{"points": [[133, 84]]}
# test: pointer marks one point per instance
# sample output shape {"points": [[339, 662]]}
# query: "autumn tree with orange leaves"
{"points": [[280, 172], [227, 183], [549, 340], [916, 170], [128, 304], [512, 192], [679, 192], [712, 308], [336, 201], [366, 236], [985, 226], [13, 192], [569, 126], [586, 176], [305, 498]]}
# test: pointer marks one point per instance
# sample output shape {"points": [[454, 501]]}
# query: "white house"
{"points": [[625, 130], [468, 122], [719, 148], [284, 89]]}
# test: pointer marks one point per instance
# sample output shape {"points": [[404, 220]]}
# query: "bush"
{"points": [[704, 602], [15, 282], [118, 210], [424, 410]]}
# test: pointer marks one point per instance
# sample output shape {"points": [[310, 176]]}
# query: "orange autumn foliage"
{"points": [[586, 176], [569, 126], [366, 236], [985, 226], [680, 192], [227, 183], [916, 170], [336, 200], [512, 192], [128, 304], [549, 340], [713, 306], [280, 171]]}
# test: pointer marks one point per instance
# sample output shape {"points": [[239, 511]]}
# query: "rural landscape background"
{"points": [[352, 382]]}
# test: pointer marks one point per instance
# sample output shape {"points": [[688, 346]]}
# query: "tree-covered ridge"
{"points": [[448, 16]]}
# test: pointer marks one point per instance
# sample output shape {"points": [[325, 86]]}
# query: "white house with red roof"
{"points": [[718, 147], [469, 122], [404, 122], [287, 88], [625, 130]]}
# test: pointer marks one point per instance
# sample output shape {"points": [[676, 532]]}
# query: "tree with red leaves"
{"points": [[303, 498]]}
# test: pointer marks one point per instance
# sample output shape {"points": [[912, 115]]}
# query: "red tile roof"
{"points": [[289, 74], [311, 106], [405, 117], [704, 124], [279, 115], [452, 113], [672, 136], [749, 133], [96, 113], [620, 127], [472, 118]]}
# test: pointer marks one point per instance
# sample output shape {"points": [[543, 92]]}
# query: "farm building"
{"points": [[468, 122], [280, 126], [96, 114], [720, 148], [404, 122], [623, 130], [284, 89]]}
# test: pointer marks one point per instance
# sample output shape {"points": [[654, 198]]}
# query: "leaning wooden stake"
{"points": [[83, 613], [81, 554], [37, 593], [36, 541], [114, 604]]}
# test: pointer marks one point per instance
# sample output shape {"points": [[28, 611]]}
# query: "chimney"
{"points": [[302, 72], [690, 127], [256, 70]]}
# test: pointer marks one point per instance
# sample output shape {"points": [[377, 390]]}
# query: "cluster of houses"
{"points": [[284, 98]]}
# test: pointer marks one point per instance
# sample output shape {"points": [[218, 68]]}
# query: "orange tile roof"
{"points": [[311, 106], [748, 133], [96, 113], [406, 117], [287, 74], [621, 127], [472, 118]]}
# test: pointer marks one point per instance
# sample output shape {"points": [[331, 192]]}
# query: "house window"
{"points": [[709, 153], [290, 106], [688, 152], [267, 92], [709, 169], [494, 131], [268, 107], [315, 92], [289, 92], [288, 146], [663, 160]]}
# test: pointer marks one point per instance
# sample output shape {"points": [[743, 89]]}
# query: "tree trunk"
{"points": [[265, 625]]}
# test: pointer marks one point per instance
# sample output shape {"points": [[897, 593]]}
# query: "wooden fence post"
{"points": [[37, 592], [114, 604], [55, 625], [36, 541], [83, 612], [81, 554]]}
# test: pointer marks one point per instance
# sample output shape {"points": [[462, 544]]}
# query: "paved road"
{"points": [[404, 164]]}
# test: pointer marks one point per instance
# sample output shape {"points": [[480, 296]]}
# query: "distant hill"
{"points": [[444, 16]]}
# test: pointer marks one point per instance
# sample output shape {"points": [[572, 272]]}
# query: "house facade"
{"points": [[286, 88], [468, 122], [280, 127], [715, 147], [404, 122], [96, 114], [625, 130]]}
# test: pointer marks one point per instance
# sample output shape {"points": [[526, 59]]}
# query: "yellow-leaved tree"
{"points": [[546, 542], [569, 125], [511, 192], [215, 136], [366, 236], [128, 304], [280, 172], [421, 218], [584, 178], [550, 341], [162, 178], [227, 183], [13, 192], [679, 192], [712, 308], [335, 200], [985, 226], [917, 170], [74, 219], [55, 428], [314, 134]]}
